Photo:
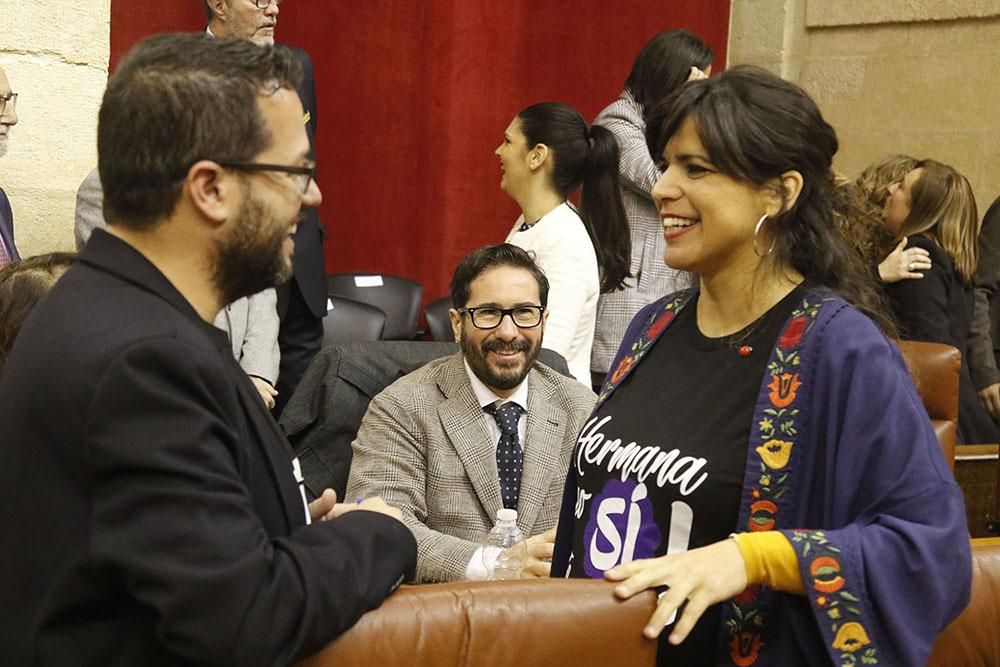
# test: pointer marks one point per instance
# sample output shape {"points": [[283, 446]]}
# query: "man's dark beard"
{"points": [[506, 379], [251, 259]]}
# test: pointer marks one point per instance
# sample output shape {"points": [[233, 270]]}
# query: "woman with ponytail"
{"points": [[548, 151], [665, 63]]}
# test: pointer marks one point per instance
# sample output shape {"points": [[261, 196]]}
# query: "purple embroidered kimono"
{"points": [[843, 460]]}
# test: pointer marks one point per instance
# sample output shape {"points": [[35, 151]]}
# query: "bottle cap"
{"points": [[506, 515]]}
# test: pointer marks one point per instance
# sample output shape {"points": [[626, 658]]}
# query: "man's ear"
{"points": [[787, 189], [212, 192], [456, 323], [537, 156], [219, 7]]}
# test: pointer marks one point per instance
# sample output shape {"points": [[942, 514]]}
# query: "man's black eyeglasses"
{"points": [[303, 176], [487, 317], [9, 99]]}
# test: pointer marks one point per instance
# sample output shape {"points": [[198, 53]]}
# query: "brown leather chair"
{"points": [[974, 637], [934, 368], [528, 622], [580, 622]]}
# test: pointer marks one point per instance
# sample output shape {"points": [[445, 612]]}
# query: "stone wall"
{"points": [[892, 76], [55, 54]]}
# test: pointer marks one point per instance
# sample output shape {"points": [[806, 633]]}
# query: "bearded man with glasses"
{"points": [[276, 333], [151, 510], [488, 428]]}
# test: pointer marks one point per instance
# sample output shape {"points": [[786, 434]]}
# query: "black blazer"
{"points": [[7, 225], [938, 308], [148, 508], [308, 264]]}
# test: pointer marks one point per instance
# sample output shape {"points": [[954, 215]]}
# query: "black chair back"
{"points": [[350, 321], [398, 298], [438, 320]]}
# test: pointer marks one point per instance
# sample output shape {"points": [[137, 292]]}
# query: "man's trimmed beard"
{"points": [[502, 378], [251, 258]]}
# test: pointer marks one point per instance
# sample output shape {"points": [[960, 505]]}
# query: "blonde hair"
{"points": [[943, 208], [875, 180]]}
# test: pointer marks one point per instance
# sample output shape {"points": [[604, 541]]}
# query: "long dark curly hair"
{"points": [[755, 127]]}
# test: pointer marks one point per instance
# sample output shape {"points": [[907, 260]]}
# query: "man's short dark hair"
{"points": [[489, 257], [177, 99], [209, 14]]}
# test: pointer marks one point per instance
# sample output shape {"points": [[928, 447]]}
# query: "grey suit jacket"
{"points": [[652, 278], [423, 446], [250, 322], [7, 226]]}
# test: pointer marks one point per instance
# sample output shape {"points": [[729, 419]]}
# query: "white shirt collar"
{"points": [[485, 395], [209, 31]]}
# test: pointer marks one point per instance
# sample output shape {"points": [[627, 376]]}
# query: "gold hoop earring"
{"points": [[756, 230]]}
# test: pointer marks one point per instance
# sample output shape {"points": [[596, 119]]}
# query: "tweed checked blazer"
{"points": [[424, 447], [651, 277]]}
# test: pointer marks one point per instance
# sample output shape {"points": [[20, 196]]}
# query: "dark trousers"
{"points": [[300, 337]]}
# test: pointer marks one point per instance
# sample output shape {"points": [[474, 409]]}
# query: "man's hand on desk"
{"points": [[374, 504], [540, 548]]}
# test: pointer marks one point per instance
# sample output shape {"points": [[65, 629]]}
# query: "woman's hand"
{"points": [[696, 74], [904, 263], [702, 577]]}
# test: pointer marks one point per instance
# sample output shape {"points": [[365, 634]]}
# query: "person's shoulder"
{"points": [[426, 378], [622, 109], [566, 389], [938, 254], [843, 328], [300, 54]]}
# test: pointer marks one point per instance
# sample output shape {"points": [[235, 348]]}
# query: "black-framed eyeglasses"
{"points": [[488, 317], [262, 4], [9, 99], [303, 176]]}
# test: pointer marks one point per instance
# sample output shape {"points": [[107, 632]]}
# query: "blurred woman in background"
{"points": [[547, 152], [934, 208]]}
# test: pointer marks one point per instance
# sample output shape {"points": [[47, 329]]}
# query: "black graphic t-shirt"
{"points": [[660, 464]]}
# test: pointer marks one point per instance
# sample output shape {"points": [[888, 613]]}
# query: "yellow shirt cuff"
{"points": [[770, 561]]}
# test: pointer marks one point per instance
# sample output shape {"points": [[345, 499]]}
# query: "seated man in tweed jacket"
{"points": [[488, 428]]}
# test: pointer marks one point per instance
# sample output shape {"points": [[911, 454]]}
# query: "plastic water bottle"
{"points": [[506, 537]]}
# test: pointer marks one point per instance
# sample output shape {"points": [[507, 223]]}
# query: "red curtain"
{"points": [[413, 98]]}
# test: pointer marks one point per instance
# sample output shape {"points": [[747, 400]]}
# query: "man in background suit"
{"points": [[8, 119], [302, 300], [151, 510], [467, 435], [984, 335]]}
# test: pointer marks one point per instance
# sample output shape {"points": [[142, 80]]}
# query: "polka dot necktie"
{"points": [[509, 456]]}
